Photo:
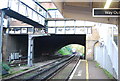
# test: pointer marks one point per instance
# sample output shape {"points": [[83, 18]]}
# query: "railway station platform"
{"points": [[35, 32], [88, 70], [85, 70]]}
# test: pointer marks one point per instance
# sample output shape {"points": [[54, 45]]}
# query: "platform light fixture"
{"points": [[107, 5]]}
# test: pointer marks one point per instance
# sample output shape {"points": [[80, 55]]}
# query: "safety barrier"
{"points": [[107, 56], [68, 26], [29, 10], [25, 30]]}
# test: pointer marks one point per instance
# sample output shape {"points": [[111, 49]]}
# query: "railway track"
{"points": [[43, 72], [66, 72]]}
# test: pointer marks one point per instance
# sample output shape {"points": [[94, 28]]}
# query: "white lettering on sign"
{"points": [[101, 12], [112, 12], [115, 12], [108, 12]]}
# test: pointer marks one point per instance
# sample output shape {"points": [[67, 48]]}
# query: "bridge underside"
{"points": [[22, 18], [51, 44]]}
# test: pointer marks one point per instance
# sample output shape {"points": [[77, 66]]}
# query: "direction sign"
{"points": [[101, 12]]}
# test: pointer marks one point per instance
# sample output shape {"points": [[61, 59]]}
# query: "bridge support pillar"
{"points": [[30, 51], [1, 37], [31, 46]]}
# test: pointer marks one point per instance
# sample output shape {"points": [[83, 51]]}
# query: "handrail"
{"points": [[20, 27], [28, 11], [9, 4], [31, 8], [42, 7], [19, 30], [111, 52], [24, 30]]}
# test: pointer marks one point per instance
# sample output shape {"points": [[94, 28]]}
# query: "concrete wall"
{"points": [[50, 44], [80, 13], [90, 41], [17, 43], [59, 5], [90, 49]]}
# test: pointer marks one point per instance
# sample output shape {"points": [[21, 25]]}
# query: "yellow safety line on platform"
{"points": [[87, 73]]}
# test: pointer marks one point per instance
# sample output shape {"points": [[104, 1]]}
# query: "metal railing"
{"points": [[39, 14], [111, 58], [20, 30], [70, 30], [24, 30], [68, 26], [107, 56], [106, 53], [113, 54], [47, 15], [55, 13]]}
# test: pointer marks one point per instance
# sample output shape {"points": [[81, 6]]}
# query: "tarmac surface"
{"points": [[96, 72], [84, 70]]}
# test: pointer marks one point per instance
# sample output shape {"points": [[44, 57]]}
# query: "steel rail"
{"points": [[49, 71], [29, 71]]}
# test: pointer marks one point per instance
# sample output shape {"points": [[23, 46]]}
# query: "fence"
{"points": [[24, 30], [107, 57]]}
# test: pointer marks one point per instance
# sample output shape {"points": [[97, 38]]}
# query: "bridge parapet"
{"points": [[68, 26], [25, 30]]}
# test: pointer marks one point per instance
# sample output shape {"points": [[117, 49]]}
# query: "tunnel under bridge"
{"points": [[49, 45]]}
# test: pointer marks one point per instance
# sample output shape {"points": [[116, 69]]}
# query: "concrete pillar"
{"points": [[30, 51], [1, 35]]}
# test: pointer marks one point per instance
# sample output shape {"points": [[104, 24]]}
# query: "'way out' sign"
{"points": [[111, 12]]}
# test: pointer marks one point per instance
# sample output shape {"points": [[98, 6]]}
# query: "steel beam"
{"points": [[30, 48], [30, 51], [64, 27], [1, 36]]}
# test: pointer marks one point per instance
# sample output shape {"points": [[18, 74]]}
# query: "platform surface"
{"points": [[88, 70]]}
